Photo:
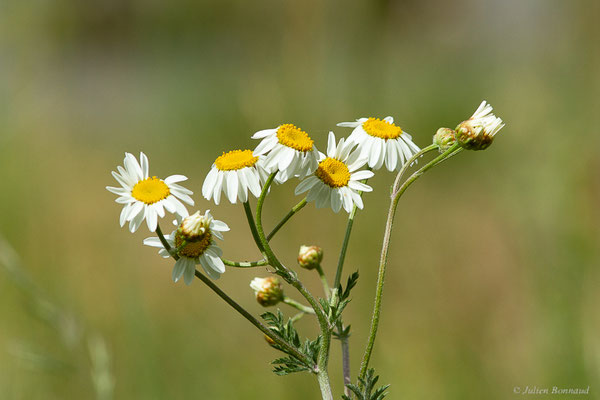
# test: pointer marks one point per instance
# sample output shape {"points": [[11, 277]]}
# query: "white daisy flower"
{"points": [[289, 150], [145, 197], [380, 140], [234, 173], [478, 132], [195, 244], [335, 182]]}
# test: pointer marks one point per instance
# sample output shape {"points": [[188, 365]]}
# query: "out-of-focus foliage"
{"points": [[493, 272]]}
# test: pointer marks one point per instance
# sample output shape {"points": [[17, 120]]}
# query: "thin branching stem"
{"points": [[262, 327], [290, 277], [297, 305], [395, 197], [285, 219]]}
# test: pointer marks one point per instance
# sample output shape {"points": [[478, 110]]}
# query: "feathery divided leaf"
{"points": [[368, 385]]}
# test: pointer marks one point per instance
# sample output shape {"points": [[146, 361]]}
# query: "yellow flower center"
{"points": [[236, 159], [333, 172], [195, 248], [150, 190], [291, 136], [381, 129]]}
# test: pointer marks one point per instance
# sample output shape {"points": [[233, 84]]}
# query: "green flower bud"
{"points": [[268, 291], [444, 138], [310, 257]]}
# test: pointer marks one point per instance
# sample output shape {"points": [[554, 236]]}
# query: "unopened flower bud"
{"points": [[444, 138], [195, 226], [477, 133], [268, 291], [310, 257]]}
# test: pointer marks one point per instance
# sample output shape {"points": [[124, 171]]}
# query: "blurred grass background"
{"points": [[493, 281]]}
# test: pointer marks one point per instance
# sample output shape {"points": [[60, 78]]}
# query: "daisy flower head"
{"points": [[381, 141], [147, 197], [336, 182], [235, 173], [194, 243], [289, 151], [477, 133]]}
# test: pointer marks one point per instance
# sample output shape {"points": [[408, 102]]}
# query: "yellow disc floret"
{"points": [[333, 172], [236, 159], [291, 136], [195, 248], [150, 190], [381, 129]]}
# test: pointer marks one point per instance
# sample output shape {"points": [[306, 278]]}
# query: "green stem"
{"points": [[386, 244], [252, 225], [291, 278], [299, 306], [262, 327], [244, 264], [342, 257], [324, 281], [285, 219]]}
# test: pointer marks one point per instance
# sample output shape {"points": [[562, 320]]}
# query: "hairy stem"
{"points": [[386, 244], [291, 278]]}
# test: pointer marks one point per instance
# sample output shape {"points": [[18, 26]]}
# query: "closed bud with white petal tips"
{"points": [[477, 133], [195, 226], [444, 138], [268, 290], [310, 257]]}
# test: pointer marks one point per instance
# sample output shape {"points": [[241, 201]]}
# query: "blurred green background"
{"points": [[493, 279]]}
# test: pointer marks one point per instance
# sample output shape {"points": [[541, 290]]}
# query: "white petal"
{"points": [[306, 184], [357, 199], [389, 120], [360, 175], [375, 154], [179, 207], [178, 268], [145, 165], [123, 216], [153, 242], [218, 187], [189, 272], [151, 218], [136, 209], [391, 158], [215, 262], [265, 146], [207, 267], [359, 186], [336, 200], [136, 221], [175, 178], [232, 186], [285, 158], [219, 225], [349, 124], [264, 133], [209, 183], [331, 144]]}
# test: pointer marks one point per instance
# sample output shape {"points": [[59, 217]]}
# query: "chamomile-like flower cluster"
{"points": [[335, 179]]}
